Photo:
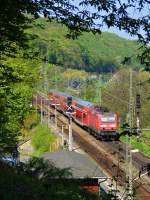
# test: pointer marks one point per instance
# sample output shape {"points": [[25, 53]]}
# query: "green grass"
{"points": [[143, 145], [41, 138]]}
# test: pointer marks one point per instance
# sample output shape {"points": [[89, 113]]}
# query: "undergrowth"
{"points": [[143, 145], [41, 137]]}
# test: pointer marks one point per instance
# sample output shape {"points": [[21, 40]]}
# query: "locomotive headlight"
{"points": [[112, 125]]}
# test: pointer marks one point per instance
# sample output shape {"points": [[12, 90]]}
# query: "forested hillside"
{"points": [[93, 53]]}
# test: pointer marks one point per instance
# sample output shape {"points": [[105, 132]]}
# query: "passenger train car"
{"points": [[100, 122]]}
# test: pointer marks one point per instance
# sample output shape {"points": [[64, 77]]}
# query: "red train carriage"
{"points": [[53, 98], [82, 109], [57, 99], [99, 121]]}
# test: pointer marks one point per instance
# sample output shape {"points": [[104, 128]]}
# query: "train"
{"points": [[99, 121]]}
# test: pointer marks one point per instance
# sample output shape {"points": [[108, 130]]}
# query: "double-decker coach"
{"points": [[102, 123]]}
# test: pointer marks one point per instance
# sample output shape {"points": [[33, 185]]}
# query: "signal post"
{"points": [[138, 106], [70, 112]]}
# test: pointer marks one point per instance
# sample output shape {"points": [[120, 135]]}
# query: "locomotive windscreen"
{"points": [[107, 118]]}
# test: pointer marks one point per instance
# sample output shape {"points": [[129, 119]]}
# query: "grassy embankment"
{"points": [[42, 139], [143, 145]]}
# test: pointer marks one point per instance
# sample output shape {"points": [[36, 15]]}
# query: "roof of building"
{"points": [[81, 166]]}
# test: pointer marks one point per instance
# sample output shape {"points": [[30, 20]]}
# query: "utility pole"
{"points": [[100, 91], [70, 132], [44, 71], [36, 104], [47, 112], [62, 135], [16, 155], [138, 106], [36, 101], [70, 112], [129, 186], [41, 110], [55, 117]]}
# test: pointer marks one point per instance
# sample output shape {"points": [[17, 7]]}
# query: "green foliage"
{"points": [[74, 74], [115, 95], [18, 186], [38, 179], [92, 53], [78, 20], [16, 65], [18, 75], [59, 182], [31, 120], [41, 137], [143, 145]]}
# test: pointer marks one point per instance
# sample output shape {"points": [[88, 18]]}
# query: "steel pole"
{"points": [[41, 112], [62, 135], [55, 117], [70, 133]]}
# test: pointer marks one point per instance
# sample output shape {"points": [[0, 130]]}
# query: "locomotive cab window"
{"points": [[108, 118]]}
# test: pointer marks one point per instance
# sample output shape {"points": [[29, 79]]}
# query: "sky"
{"points": [[120, 33], [133, 13]]}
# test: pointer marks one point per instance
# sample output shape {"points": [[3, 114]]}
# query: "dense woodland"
{"points": [[93, 53], [22, 52], [24, 44], [97, 62]]}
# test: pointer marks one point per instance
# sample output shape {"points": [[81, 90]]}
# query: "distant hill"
{"points": [[94, 53]]}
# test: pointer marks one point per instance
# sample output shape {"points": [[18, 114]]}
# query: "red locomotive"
{"points": [[100, 122]]}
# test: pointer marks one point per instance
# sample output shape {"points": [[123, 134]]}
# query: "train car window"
{"points": [[80, 106], [84, 115]]}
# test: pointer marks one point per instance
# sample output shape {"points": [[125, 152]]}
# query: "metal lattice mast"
{"points": [[138, 107], [45, 72], [100, 91], [70, 133], [129, 185]]}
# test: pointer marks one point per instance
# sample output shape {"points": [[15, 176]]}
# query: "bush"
{"points": [[41, 138]]}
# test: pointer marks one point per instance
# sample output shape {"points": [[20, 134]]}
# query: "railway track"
{"points": [[106, 161], [139, 159], [106, 155]]}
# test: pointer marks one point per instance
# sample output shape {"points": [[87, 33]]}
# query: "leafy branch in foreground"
{"points": [[75, 17], [40, 179]]}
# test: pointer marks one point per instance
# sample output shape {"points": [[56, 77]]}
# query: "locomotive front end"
{"points": [[108, 126]]}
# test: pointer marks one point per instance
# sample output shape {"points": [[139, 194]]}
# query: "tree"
{"points": [[115, 95], [73, 74], [39, 179], [17, 15], [78, 19], [18, 75]]}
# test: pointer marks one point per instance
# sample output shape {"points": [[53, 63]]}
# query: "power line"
{"points": [[126, 102]]}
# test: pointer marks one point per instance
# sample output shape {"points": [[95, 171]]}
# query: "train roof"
{"points": [[84, 103], [98, 109], [79, 101]]}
